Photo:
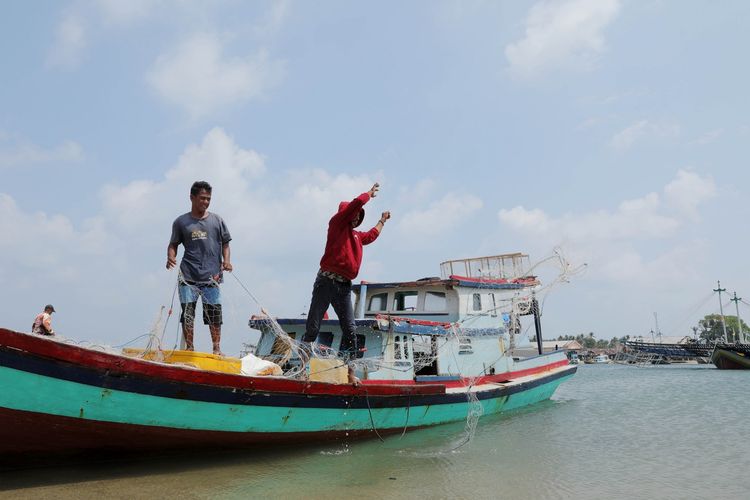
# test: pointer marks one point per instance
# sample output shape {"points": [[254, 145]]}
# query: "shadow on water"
{"points": [[76, 469], [92, 475]]}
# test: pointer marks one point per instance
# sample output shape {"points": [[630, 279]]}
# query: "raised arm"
{"points": [[373, 233], [353, 208], [383, 217]]}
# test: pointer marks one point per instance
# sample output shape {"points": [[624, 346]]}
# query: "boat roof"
{"points": [[384, 322], [456, 281]]}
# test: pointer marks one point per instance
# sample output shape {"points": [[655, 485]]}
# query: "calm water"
{"points": [[611, 431]]}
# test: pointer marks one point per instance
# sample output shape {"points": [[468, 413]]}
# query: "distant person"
{"points": [[206, 240], [339, 266], [43, 322]]}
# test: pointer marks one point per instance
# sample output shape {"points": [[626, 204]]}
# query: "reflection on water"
{"points": [[610, 431]]}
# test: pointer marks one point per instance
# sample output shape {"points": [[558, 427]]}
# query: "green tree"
{"points": [[589, 342], [710, 328]]}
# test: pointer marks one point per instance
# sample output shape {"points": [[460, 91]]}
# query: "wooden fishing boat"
{"points": [[415, 371], [731, 356]]}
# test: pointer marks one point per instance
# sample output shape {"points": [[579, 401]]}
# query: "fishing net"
{"points": [[423, 350]]}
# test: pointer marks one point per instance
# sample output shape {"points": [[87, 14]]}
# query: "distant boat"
{"points": [[655, 353], [601, 359], [731, 356]]}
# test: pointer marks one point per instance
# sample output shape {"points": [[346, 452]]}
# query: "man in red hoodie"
{"points": [[339, 266]]}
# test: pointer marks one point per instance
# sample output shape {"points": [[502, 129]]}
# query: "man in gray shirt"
{"points": [[206, 240]]}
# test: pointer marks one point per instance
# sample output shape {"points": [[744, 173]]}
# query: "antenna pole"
{"points": [[537, 323], [721, 309]]}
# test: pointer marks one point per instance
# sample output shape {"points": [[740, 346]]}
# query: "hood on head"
{"points": [[344, 204]]}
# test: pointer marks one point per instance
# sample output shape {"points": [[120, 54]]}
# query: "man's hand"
{"points": [[226, 266], [385, 216], [171, 262], [374, 190]]}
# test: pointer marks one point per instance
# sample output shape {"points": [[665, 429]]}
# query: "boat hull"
{"points": [[725, 359], [58, 398]]}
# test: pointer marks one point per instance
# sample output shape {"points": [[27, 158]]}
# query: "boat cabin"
{"points": [[440, 327]]}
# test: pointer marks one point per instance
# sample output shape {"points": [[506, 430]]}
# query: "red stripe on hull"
{"points": [[115, 364]]}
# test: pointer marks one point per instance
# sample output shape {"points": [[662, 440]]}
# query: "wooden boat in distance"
{"points": [[725, 356], [60, 398], [731, 356]]}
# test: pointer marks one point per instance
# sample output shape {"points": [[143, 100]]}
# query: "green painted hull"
{"points": [[39, 394]]}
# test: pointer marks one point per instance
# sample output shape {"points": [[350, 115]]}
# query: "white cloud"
{"points": [[561, 35], [687, 191], [82, 24], [200, 78], [217, 159], [70, 42], [442, 215], [48, 242], [643, 129], [520, 218], [610, 240], [24, 153]]}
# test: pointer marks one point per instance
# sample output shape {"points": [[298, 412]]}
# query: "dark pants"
{"points": [[327, 291]]}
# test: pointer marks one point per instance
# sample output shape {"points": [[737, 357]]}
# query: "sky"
{"points": [[614, 132]]}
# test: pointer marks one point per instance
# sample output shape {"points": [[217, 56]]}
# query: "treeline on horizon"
{"points": [[708, 329]]}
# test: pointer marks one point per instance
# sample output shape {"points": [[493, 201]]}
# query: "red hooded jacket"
{"points": [[343, 254]]}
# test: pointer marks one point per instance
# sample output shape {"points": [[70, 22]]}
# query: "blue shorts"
{"points": [[210, 296]]}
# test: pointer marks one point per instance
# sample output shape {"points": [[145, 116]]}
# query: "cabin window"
{"points": [[494, 305], [361, 339], [397, 347], [434, 301], [405, 301], [378, 302], [325, 338], [477, 302], [464, 345], [361, 345]]}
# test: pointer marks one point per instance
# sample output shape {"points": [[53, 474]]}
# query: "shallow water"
{"points": [[610, 431]]}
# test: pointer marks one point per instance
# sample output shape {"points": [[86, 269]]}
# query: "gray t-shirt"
{"points": [[203, 240]]}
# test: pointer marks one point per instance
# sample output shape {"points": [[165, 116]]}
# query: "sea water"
{"points": [[611, 431]]}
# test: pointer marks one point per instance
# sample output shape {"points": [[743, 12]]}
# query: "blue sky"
{"points": [[614, 130]]}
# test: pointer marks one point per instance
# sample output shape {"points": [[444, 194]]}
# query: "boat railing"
{"points": [[504, 266]]}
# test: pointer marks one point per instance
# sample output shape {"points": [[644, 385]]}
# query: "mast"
{"points": [[656, 323], [721, 308], [740, 333]]}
